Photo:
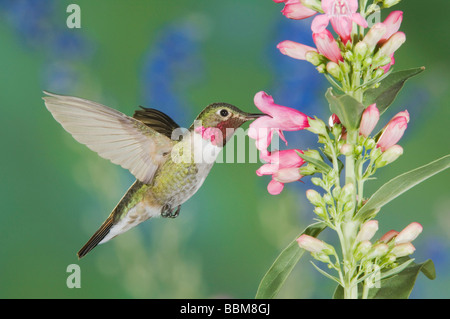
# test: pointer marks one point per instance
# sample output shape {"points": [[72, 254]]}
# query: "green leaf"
{"points": [[321, 165], [277, 274], [348, 109], [401, 184], [398, 286], [389, 88]]}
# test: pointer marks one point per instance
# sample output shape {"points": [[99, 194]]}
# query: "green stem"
{"points": [[350, 176], [351, 292], [360, 184], [350, 227], [365, 292]]}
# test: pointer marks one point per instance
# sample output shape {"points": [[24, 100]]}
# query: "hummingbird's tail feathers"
{"points": [[97, 237], [132, 209], [113, 135]]}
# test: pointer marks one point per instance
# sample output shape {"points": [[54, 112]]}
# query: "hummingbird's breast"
{"points": [[184, 172]]}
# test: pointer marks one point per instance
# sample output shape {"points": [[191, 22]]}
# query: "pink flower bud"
{"points": [[313, 244], [369, 120], [392, 24], [393, 131], [294, 50], [334, 119], [409, 233], [392, 45], [293, 9], [327, 46], [388, 236], [402, 250], [389, 156], [367, 231]]}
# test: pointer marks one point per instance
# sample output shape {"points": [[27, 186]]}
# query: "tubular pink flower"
{"points": [[295, 50], [380, 33], [327, 46], [293, 9], [409, 233], [341, 14], [369, 120], [393, 131], [283, 166], [280, 118], [392, 24]]}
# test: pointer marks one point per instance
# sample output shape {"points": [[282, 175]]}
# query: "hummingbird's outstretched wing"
{"points": [[157, 120], [113, 135]]}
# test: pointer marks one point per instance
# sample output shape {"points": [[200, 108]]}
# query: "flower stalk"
{"points": [[357, 60]]}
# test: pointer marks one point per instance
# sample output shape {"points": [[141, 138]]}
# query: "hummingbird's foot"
{"points": [[168, 212]]}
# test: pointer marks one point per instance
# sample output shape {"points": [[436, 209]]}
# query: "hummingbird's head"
{"points": [[221, 118]]}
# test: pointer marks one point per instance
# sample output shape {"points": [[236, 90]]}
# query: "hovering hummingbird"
{"points": [[169, 168]]}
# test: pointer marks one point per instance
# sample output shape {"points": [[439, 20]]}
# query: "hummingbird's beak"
{"points": [[252, 116]]}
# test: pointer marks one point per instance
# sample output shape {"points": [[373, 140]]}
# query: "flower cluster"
{"points": [[282, 165], [357, 60], [356, 57], [379, 255]]}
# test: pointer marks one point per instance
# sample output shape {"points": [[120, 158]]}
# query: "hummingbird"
{"points": [[170, 164]]}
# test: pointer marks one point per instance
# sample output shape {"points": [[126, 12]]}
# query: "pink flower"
{"points": [[380, 33], [283, 166], [293, 9], [280, 118], [327, 46], [369, 120], [393, 131], [341, 14], [409, 233], [295, 50]]}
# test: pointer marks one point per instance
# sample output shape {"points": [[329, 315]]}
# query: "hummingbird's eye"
{"points": [[224, 113]]}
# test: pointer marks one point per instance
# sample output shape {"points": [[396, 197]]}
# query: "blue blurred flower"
{"points": [[172, 66]]}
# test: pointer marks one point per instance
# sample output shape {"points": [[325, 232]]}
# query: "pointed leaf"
{"points": [[348, 109], [275, 277], [401, 285], [401, 184], [389, 88]]}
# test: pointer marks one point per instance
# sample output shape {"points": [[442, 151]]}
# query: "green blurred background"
{"points": [[179, 56]]}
